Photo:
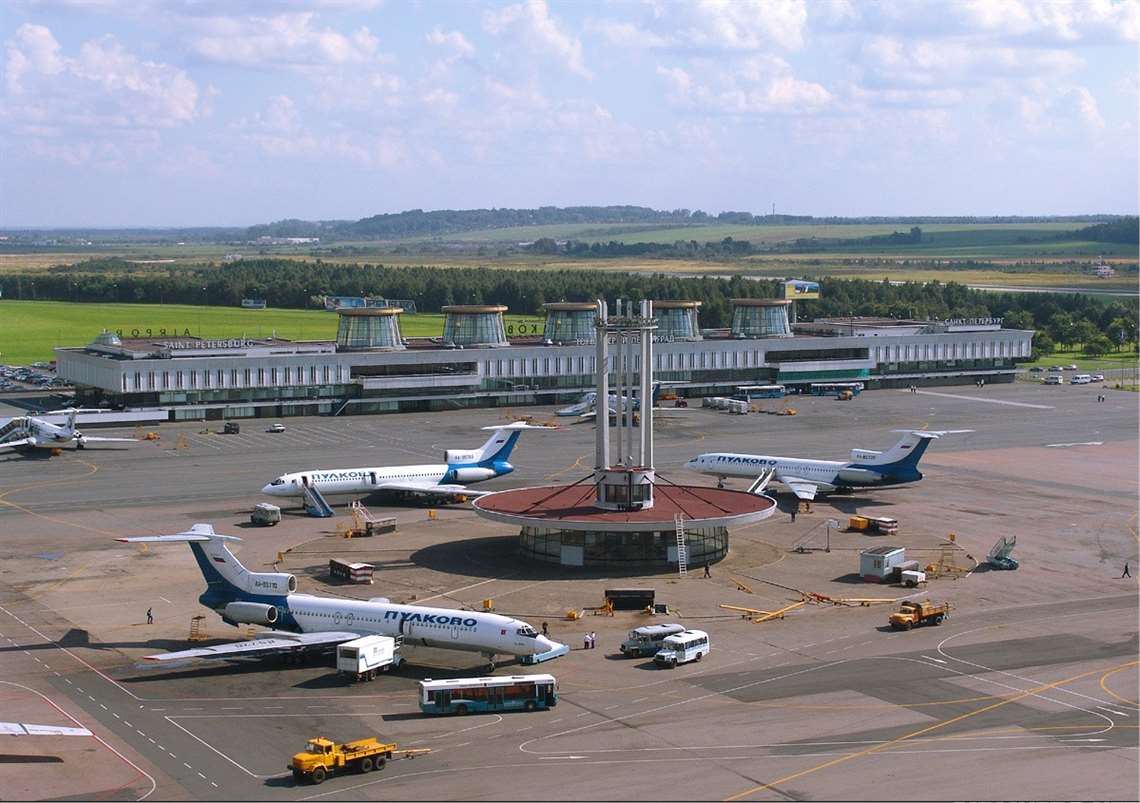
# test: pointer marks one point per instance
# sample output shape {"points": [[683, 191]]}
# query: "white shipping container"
{"points": [[362, 658]]}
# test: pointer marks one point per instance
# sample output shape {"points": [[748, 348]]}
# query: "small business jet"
{"points": [[805, 478], [587, 405], [302, 622], [29, 432], [441, 479]]}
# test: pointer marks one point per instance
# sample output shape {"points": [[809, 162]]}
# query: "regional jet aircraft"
{"points": [[805, 478], [29, 432], [587, 405], [28, 729], [444, 479], [301, 622]]}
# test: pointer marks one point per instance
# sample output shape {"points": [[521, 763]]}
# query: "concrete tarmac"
{"points": [[1029, 690]]}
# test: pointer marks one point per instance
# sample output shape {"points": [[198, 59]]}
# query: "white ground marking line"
{"points": [[977, 399], [214, 749], [1113, 710], [95, 736], [936, 660], [164, 599], [1065, 445], [187, 766], [456, 590], [941, 651], [52, 642], [671, 759]]}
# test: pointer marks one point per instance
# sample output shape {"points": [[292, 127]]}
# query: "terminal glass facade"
{"points": [[654, 549], [569, 326], [368, 332], [474, 329], [678, 323], [760, 321]]}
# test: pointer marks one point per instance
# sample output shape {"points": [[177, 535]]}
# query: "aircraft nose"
{"points": [[268, 489]]}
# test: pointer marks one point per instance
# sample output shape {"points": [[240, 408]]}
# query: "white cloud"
{"points": [[291, 40], [453, 41], [748, 24], [1052, 109], [756, 85], [105, 85], [626, 34], [893, 61], [531, 25]]}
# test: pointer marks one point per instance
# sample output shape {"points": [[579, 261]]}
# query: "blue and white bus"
{"points": [[750, 392], [479, 695], [835, 388]]}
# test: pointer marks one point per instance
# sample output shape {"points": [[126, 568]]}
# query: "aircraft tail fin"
{"points": [[227, 580], [498, 447], [909, 449]]}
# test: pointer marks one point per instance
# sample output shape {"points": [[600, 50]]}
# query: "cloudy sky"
{"points": [[215, 112]]}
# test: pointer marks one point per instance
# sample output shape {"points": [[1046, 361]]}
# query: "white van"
{"points": [[691, 645], [644, 641], [1080, 379], [1054, 379]]}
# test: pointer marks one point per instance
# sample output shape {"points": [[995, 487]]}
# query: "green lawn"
{"points": [[30, 329], [1111, 361]]}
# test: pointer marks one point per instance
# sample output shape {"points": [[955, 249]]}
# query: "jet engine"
{"points": [[250, 613], [270, 583], [473, 474]]}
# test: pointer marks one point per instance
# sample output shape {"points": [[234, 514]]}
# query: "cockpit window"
{"points": [[278, 481], [527, 630]]}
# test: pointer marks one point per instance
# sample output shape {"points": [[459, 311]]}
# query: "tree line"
{"points": [[1061, 319]]}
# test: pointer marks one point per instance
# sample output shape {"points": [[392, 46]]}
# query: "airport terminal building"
{"points": [[371, 368]]}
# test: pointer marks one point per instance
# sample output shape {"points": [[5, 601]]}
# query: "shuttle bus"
{"points": [[835, 388], [750, 392], [690, 645], [479, 695]]}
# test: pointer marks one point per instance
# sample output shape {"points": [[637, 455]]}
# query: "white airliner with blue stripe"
{"points": [[441, 479], [805, 478], [305, 623]]}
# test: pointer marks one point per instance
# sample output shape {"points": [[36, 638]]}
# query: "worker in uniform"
{"points": [[150, 613]]}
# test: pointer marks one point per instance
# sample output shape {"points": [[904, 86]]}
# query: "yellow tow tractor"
{"points": [[926, 612]]}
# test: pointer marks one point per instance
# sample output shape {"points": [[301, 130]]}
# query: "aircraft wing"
{"points": [[803, 489], [15, 443], [269, 643], [429, 488], [27, 729], [86, 438]]}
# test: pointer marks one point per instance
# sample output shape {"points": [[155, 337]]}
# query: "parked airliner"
{"points": [[30, 432], [805, 478], [302, 622], [441, 479]]}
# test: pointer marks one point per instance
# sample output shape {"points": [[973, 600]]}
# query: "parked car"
{"points": [[1069, 367], [1055, 369], [1096, 378], [276, 428], [1036, 369]]}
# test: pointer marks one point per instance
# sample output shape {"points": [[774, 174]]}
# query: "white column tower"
{"points": [[627, 482]]}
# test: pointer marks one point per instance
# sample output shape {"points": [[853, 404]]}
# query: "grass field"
{"points": [[29, 330], [1125, 360]]}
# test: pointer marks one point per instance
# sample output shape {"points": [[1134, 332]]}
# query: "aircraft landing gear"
{"points": [[491, 666], [720, 482]]}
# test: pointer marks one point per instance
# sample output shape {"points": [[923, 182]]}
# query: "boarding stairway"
{"points": [[315, 504], [682, 549], [14, 430]]}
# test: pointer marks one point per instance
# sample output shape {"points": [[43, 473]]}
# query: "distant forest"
{"points": [[1065, 318], [454, 222]]}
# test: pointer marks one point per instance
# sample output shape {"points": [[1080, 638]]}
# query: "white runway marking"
{"points": [[1065, 445], [977, 399]]}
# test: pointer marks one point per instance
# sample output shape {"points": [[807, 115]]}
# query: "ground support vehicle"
{"points": [[322, 757], [231, 428], [690, 645], [488, 694], [265, 515], [364, 658], [646, 641], [926, 612]]}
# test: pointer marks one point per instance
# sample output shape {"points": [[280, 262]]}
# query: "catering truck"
{"points": [[363, 658]]}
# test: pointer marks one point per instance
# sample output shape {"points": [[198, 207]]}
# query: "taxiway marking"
{"points": [[986, 401]]}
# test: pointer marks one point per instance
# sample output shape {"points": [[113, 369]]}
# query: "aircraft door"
{"points": [[372, 477], [305, 480]]}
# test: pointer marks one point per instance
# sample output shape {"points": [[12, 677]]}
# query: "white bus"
{"points": [[1081, 379], [691, 645], [470, 695]]}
